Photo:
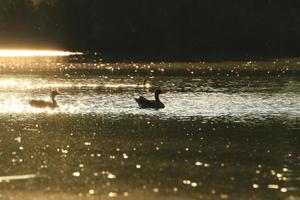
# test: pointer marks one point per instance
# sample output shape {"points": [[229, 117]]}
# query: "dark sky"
{"points": [[155, 29]]}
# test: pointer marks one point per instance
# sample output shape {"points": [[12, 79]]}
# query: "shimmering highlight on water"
{"points": [[229, 130]]}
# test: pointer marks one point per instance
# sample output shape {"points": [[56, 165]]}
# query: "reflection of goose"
{"points": [[45, 104], [145, 103], [145, 84]]}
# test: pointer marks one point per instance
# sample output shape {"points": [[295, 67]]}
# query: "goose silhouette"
{"points": [[45, 104], [145, 103]]}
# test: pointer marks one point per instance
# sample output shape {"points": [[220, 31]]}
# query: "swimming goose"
{"points": [[45, 104], [145, 103]]}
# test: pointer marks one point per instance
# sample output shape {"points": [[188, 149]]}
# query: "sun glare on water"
{"points": [[35, 53]]}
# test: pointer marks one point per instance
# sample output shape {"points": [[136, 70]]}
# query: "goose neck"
{"points": [[157, 97]]}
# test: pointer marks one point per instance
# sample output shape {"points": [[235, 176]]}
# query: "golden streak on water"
{"points": [[26, 84], [273, 186], [127, 85], [23, 84], [17, 177], [35, 53], [11, 105]]}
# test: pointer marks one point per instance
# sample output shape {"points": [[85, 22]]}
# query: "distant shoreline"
{"points": [[117, 57]]}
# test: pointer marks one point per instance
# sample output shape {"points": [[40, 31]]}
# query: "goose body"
{"points": [[45, 104], [145, 103]]}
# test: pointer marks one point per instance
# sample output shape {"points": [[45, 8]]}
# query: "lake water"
{"points": [[230, 130]]}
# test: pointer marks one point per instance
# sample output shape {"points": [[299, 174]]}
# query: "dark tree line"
{"points": [[168, 29]]}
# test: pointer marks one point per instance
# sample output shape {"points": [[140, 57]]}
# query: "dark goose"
{"points": [[45, 104], [145, 103]]}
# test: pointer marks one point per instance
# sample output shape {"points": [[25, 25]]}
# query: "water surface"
{"points": [[230, 130]]}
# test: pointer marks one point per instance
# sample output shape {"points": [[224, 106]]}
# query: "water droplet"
{"points": [[111, 176], [125, 156], [194, 184], [283, 190], [125, 194], [64, 151], [18, 139], [91, 191], [96, 174], [206, 165], [155, 190], [273, 172], [112, 194], [198, 163], [76, 174], [87, 143], [186, 182], [279, 175], [224, 196], [273, 186]]}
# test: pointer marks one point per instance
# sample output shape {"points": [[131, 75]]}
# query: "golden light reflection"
{"points": [[29, 85], [13, 105], [35, 53], [16, 177], [127, 85], [12, 102]]}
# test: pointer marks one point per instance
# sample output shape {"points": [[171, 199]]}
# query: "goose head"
{"points": [[158, 91]]}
